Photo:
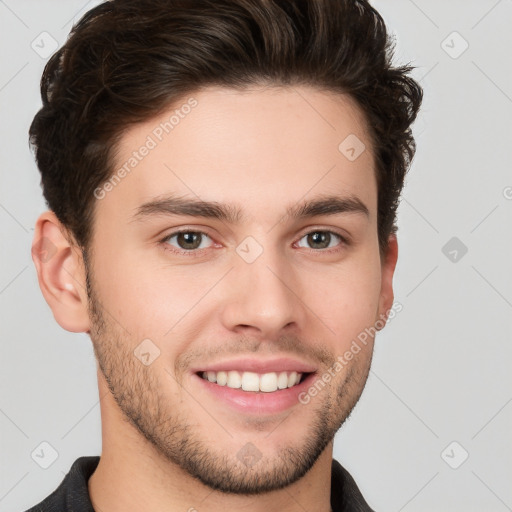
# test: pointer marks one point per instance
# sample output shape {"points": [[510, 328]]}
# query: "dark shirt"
{"points": [[72, 495]]}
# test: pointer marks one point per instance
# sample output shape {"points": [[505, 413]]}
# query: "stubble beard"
{"points": [[138, 392]]}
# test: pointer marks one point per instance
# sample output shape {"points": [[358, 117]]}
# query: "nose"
{"points": [[263, 298]]}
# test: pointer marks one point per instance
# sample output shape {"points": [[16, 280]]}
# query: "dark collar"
{"points": [[72, 493]]}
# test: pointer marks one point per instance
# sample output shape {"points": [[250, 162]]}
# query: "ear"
{"points": [[388, 264], [61, 273]]}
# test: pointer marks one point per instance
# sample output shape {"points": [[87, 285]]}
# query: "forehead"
{"points": [[262, 149]]}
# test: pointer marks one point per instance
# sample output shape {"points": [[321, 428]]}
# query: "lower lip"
{"points": [[258, 402]]}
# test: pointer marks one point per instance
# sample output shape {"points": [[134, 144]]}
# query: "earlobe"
{"points": [[388, 264], [60, 272]]}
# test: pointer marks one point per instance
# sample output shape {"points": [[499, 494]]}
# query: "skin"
{"points": [[168, 444]]}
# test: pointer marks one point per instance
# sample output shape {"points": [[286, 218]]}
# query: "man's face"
{"points": [[268, 292]]}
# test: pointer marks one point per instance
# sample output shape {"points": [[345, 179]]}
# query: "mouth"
{"points": [[270, 382], [253, 386], [255, 394]]}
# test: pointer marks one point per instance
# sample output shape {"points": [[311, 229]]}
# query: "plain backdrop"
{"points": [[433, 430]]}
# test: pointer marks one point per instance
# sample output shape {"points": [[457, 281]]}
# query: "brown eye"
{"points": [[322, 239], [187, 240], [319, 239]]}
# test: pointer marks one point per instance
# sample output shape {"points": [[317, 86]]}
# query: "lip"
{"points": [[282, 364], [252, 402]]}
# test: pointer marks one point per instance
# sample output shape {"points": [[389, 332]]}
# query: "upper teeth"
{"points": [[250, 381]]}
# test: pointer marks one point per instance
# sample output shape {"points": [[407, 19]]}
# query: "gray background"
{"points": [[441, 372]]}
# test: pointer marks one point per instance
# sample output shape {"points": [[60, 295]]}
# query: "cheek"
{"points": [[346, 300], [149, 300]]}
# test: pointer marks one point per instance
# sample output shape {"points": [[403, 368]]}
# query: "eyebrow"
{"points": [[230, 213]]}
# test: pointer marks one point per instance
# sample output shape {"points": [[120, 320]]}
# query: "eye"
{"points": [[322, 239], [186, 240], [191, 243]]}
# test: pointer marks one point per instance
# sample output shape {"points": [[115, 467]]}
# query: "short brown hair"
{"points": [[128, 60]]}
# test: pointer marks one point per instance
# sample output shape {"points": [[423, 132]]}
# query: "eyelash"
{"points": [[199, 252]]}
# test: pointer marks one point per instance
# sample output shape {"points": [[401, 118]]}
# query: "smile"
{"points": [[251, 381]]}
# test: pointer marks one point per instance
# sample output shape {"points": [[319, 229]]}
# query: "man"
{"points": [[222, 179]]}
